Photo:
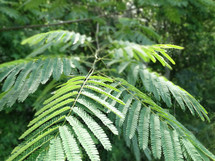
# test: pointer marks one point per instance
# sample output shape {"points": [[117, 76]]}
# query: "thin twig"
{"points": [[91, 71], [55, 24], [97, 32], [44, 25]]}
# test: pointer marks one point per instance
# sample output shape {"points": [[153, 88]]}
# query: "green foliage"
{"points": [[47, 122], [55, 38], [23, 77], [97, 77]]}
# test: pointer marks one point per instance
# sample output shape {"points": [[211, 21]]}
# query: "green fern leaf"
{"points": [[52, 38], [58, 68], [160, 86], [55, 102], [155, 136], [126, 138], [23, 148], [144, 127], [23, 77], [133, 117], [47, 70], [99, 90], [128, 99], [104, 85], [176, 145], [167, 143], [10, 80], [107, 105], [56, 150], [146, 53], [5, 73], [69, 144], [133, 74], [50, 110], [35, 77], [84, 138], [61, 92], [122, 67], [191, 150], [35, 126], [42, 156], [165, 94], [66, 66], [94, 127], [105, 120]]}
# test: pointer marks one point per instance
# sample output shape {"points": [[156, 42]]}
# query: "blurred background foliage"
{"points": [[188, 23]]}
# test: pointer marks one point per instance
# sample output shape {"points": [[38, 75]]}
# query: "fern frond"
{"points": [[29, 144], [94, 127], [191, 150], [145, 52], [22, 77], [69, 144], [35, 126], [133, 74], [56, 150], [59, 109], [122, 67], [155, 136], [58, 68], [47, 112], [54, 38], [167, 143], [133, 118], [99, 90], [160, 86], [182, 132], [84, 138], [105, 120], [165, 131], [128, 99], [176, 145], [143, 128], [100, 101]]}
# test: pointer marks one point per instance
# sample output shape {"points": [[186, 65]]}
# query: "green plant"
{"points": [[104, 86]]}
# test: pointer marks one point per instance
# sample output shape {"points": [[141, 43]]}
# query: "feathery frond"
{"points": [[143, 128], [165, 131], [145, 52], [54, 38], [22, 77], [72, 102], [56, 150], [161, 87], [69, 144]]}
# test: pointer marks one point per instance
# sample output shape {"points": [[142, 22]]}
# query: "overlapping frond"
{"points": [[158, 130], [125, 49], [67, 120], [54, 38], [22, 77], [163, 88], [127, 55]]}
